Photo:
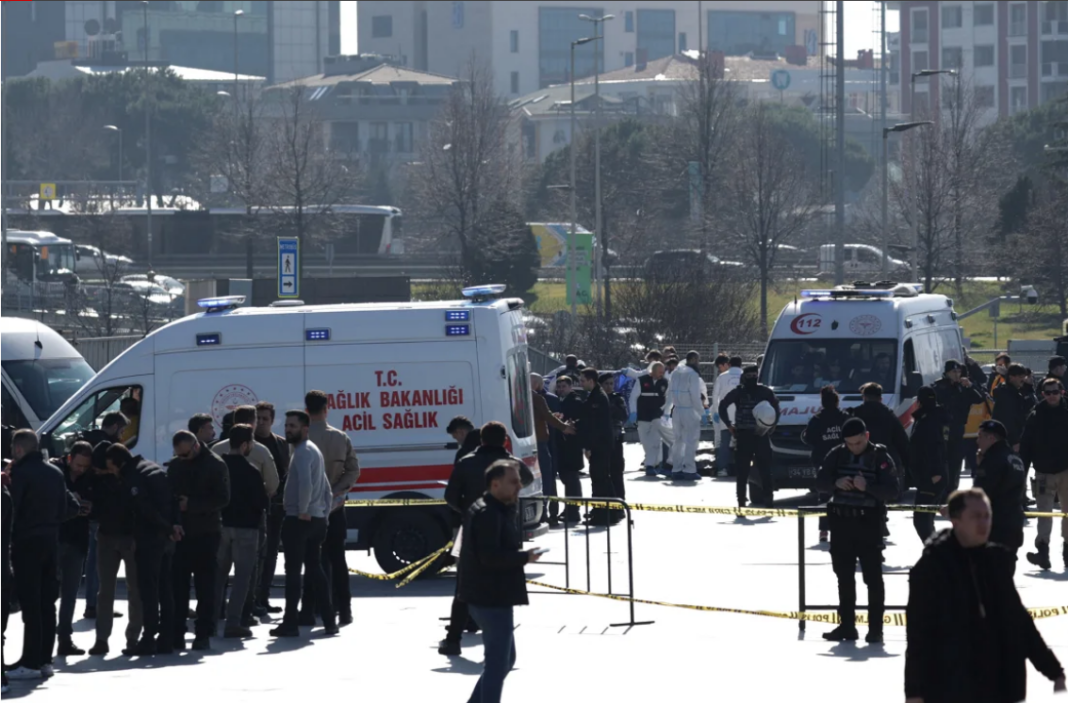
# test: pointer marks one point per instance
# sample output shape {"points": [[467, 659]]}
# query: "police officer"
{"points": [[1000, 473], [752, 446], [927, 446], [1013, 402], [824, 433], [647, 402], [883, 425], [618, 406], [861, 478], [598, 440], [957, 395], [571, 461]]}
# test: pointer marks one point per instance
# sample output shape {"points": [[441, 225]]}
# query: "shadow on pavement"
{"points": [[462, 666], [94, 665], [850, 651]]}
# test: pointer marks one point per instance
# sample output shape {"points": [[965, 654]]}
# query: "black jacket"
{"points": [[927, 447], [968, 633], [1045, 438], [248, 498], [113, 505], [958, 402], [154, 507], [876, 466], [617, 405], [279, 449], [468, 480], [744, 398], [886, 429], [573, 410], [1001, 474], [824, 433], [95, 437], [8, 518], [595, 428], [205, 481], [1011, 408], [40, 497], [75, 531], [472, 442], [652, 395], [491, 556]]}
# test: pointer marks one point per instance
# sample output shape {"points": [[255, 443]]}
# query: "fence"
{"points": [[542, 363], [101, 351]]}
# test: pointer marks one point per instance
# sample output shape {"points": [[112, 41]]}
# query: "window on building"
{"points": [[984, 55], [557, 28], [515, 82], [919, 61], [656, 33], [737, 33], [513, 41], [382, 26], [405, 137], [628, 22], [1018, 19], [379, 140], [1054, 58], [682, 42], [345, 137], [952, 16], [984, 95], [952, 57], [919, 26], [1018, 61], [628, 59], [1017, 99], [983, 15], [1054, 91]]}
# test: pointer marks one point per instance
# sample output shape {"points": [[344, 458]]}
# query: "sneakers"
{"points": [[24, 674], [48, 671], [331, 631], [67, 648], [449, 648], [685, 476], [842, 633], [271, 609], [1041, 557]]}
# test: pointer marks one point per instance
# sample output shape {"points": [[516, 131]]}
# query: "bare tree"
{"points": [[1045, 243], [99, 306], [772, 198]]}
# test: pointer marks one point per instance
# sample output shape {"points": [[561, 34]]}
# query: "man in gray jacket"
{"points": [[307, 505], [342, 472]]}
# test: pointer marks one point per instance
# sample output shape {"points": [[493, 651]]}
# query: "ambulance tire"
{"points": [[407, 536]]}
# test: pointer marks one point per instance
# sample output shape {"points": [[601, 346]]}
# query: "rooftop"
{"points": [[64, 69], [383, 74]]}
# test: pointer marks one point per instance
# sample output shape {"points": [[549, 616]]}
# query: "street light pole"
{"points": [[901, 127], [598, 216], [237, 14], [148, 145], [925, 73], [572, 264], [113, 128]]}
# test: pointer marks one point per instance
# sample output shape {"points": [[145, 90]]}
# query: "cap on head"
{"points": [[994, 427], [853, 427], [926, 394], [953, 365]]}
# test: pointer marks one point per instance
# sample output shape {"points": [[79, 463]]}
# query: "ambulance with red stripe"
{"points": [[395, 374], [847, 336]]}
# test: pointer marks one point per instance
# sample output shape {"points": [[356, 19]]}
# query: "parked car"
{"points": [[686, 264], [788, 256], [171, 285], [91, 261], [860, 259]]}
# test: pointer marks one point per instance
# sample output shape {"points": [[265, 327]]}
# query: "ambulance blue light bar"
{"points": [[457, 316], [483, 291], [847, 293], [209, 340], [223, 302], [320, 335], [457, 330]]}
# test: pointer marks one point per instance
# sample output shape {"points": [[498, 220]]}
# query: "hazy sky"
{"points": [[861, 22]]}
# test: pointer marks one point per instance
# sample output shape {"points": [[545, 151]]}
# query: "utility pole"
{"points": [[148, 145], [839, 174], [882, 118]]}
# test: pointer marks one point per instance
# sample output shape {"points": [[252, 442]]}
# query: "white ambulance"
{"points": [[396, 374], [847, 336]]}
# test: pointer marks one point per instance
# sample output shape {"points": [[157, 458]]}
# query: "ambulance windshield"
{"points": [[796, 366]]}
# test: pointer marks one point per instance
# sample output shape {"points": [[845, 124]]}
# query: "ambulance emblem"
{"points": [[230, 398], [865, 325]]}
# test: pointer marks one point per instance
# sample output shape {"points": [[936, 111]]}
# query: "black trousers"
{"points": [[196, 559], [459, 618], [303, 542], [155, 576], [35, 561], [601, 472], [858, 539], [569, 476], [954, 459], [619, 467], [9, 584], [925, 522], [270, 555], [753, 448], [335, 568]]}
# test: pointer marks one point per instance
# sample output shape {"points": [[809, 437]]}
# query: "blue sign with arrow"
{"points": [[288, 267], [780, 79]]}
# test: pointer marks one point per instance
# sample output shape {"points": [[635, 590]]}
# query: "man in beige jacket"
{"points": [[342, 472], [260, 456]]}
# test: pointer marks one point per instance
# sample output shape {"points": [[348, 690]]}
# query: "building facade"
{"points": [[1013, 53], [528, 44], [281, 40]]}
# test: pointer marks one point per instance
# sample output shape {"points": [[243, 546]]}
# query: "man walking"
{"points": [[969, 635], [861, 478], [957, 395], [647, 402], [342, 472], [73, 542], [1001, 475], [1045, 446], [308, 499], [468, 437], [726, 382], [279, 449], [200, 481], [753, 446], [686, 395], [492, 579]]}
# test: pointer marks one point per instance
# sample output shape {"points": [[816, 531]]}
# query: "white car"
{"points": [[171, 285], [90, 261]]}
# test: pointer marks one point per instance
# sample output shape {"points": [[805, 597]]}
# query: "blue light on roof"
{"points": [[457, 316], [320, 335], [221, 303], [847, 293], [457, 330], [209, 340], [482, 291], [815, 293]]}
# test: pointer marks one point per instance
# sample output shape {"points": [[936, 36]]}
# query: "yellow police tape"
{"points": [[685, 509], [414, 569], [890, 619]]}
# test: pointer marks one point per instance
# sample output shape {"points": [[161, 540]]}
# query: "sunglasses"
{"points": [[1053, 392]]}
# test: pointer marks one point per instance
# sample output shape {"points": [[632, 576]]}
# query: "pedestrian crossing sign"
{"points": [[288, 267]]}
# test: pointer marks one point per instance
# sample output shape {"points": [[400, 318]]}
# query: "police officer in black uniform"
{"points": [[824, 433], [1013, 402], [618, 405], [598, 440], [752, 445], [571, 461], [957, 395], [1000, 472], [927, 446], [861, 478], [883, 425]]}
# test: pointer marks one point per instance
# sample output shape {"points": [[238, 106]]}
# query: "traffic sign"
{"points": [[288, 267], [780, 79], [48, 191]]}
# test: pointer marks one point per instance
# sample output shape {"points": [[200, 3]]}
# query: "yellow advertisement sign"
{"points": [[552, 242]]}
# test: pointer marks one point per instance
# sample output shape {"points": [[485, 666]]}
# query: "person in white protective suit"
{"points": [[686, 395], [727, 381]]}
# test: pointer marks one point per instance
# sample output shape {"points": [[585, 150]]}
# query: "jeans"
{"points": [[335, 568], [498, 637], [724, 453], [270, 557], [303, 541], [548, 479], [155, 576], [854, 539], [92, 582], [238, 548], [111, 551], [196, 559], [71, 566], [34, 561]]}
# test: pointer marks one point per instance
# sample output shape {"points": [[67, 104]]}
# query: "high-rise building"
{"points": [[281, 40], [528, 43], [1013, 54]]}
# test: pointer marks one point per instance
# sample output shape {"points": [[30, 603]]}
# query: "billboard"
{"points": [[552, 242]]}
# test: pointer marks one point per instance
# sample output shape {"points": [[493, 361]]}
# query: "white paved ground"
{"points": [[566, 648]]}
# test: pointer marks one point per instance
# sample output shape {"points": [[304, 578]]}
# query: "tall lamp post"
{"points": [[900, 127], [237, 15], [572, 264], [598, 224], [113, 128], [148, 145], [926, 73]]}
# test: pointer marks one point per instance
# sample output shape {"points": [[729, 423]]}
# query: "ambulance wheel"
{"points": [[406, 537]]}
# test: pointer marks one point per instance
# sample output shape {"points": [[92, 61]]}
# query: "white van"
{"points": [[396, 375], [848, 336], [859, 259], [41, 371]]}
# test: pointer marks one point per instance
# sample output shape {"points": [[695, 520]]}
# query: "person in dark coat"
{"points": [[570, 447], [1013, 402], [927, 447], [883, 425], [1045, 446], [1000, 473], [957, 395], [969, 635], [598, 441], [618, 406], [9, 579], [279, 449], [824, 433], [466, 435], [73, 543]]}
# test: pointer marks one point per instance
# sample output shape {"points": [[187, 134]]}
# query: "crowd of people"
{"points": [[211, 521]]}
